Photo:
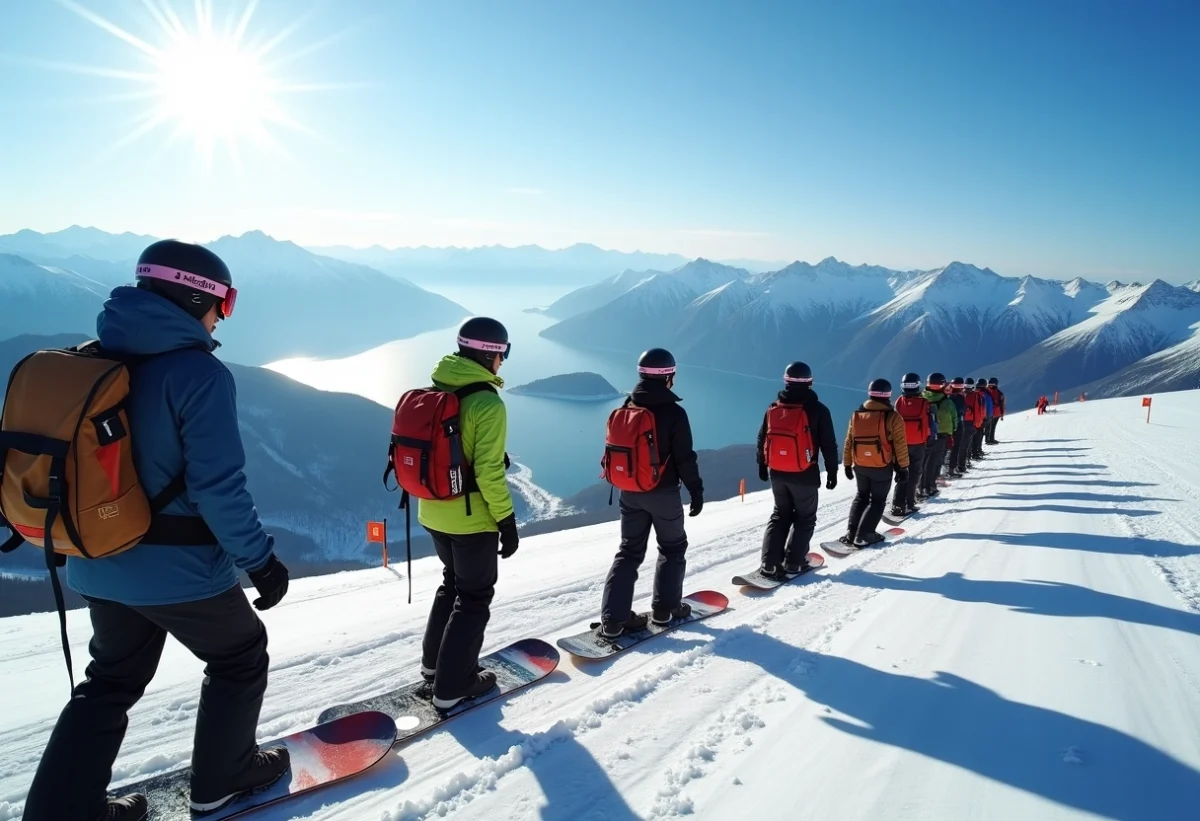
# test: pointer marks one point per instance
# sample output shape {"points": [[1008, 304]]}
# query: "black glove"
{"points": [[850, 473], [830, 479], [271, 581], [901, 474], [508, 535], [697, 504], [763, 473]]}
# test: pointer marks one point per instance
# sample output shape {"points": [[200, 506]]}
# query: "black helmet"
{"points": [[970, 384], [481, 337], [957, 383], [880, 389], [656, 363], [981, 383], [911, 383], [191, 276], [798, 373], [935, 381], [994, 381]]}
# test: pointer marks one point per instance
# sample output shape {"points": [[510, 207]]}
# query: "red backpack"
{"points": [[426, 451], [915, 411], [789, 445], [631, 455], [969, 400]]}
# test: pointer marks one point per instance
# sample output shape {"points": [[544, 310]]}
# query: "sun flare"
{"points": [[206, 82]]}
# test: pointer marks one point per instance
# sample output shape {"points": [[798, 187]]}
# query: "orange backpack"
{"points": [[868, 434]]}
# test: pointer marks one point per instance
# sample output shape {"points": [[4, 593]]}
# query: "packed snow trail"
{"points": [[1028, 650]]}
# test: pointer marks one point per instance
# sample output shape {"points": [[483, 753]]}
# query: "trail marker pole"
{"points": [[1146, 401], [742, 491]]}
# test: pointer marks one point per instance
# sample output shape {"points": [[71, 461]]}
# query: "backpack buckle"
{"points": [[55, 488]]}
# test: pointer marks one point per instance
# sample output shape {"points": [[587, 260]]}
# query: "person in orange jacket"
{"points": [[876, 449]]}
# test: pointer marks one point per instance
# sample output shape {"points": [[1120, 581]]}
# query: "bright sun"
{"points": [[207, 81]]}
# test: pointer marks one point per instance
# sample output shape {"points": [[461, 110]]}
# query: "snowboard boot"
{"points": [[265, 769], [428, 675], [612, 629], [868, 540], [794, 567], [661, 617], [484, 682], [847, 540], [771, 571], [898, 511], [132, 807]]}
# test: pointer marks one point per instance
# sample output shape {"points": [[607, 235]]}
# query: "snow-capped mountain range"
{"points": [[853, 323], [291, 302]]}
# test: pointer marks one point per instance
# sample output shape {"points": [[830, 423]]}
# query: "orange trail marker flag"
{"points": [[377, 534], [1146, 400]]}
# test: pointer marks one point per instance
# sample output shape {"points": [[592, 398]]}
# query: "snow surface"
{"points": [[1028, 650]]}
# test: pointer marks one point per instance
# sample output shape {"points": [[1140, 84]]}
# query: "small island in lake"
{"points": [[572, 387]]}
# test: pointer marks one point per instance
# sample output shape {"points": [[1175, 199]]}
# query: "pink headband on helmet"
{"points": [[656, 371], [880, 394], [800, 379], [196, 281], [480, 345]]}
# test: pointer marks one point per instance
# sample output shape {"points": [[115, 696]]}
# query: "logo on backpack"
{"points": [[631, 453], [869, 442], [788, 447]]}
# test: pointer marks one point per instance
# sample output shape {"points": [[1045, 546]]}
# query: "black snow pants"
{"points": [[965, 449], [935, 455], [461, 609], [991, 437], [790, 528], [662, 510], [977, 442], [867, 507], [906, 492], [127, 642]]}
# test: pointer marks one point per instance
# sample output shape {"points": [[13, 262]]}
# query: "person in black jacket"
{"points": [[790, 529], [660, 508]]}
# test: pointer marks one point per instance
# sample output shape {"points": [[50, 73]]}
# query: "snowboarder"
{"points": [[794, 429], [914, 409], [982, 419], [947, 418], [469, 534], [648, 452], [997, 408], [182, 578], [876, 449], [958, 447], [971, 423]]}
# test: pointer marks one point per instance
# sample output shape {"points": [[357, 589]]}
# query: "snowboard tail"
{"points": [[518, 665], [591, 645], [319, 756], [836, 548]]}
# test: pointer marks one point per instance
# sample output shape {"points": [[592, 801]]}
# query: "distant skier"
{"points": [[794, 429], [876, 448], [997, 408], [915, 410], [957, 396], [182, 579], [947, 419], [647, 453], [1042, 404]]}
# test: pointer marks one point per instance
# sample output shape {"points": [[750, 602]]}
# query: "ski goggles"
{"points": [[227, 294], [502, 348]]}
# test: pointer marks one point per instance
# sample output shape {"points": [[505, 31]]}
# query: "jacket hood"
{"points": [[934, 396], [876, 405], [455, 372], [136, 321], [799, 395], [651, 392]]}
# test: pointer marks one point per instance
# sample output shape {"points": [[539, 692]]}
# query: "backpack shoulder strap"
{"points": [[473, 388]]}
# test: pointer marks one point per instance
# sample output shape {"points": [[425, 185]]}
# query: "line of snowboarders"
{"points": [[167, 451]]}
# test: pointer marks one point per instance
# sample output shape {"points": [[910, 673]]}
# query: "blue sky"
{"points": [[1056, 137]]}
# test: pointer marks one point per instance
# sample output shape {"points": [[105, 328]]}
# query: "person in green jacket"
{"points": [[947, 419], [468, 532]]}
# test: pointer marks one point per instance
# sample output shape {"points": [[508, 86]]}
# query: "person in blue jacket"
{"points": [[181, 580]]}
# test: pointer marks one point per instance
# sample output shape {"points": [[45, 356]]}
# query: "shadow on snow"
{"points": [[1086, 542]]}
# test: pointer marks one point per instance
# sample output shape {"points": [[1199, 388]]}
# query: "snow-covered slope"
{"points": [[45, 299], [1027, 651], [590, 297], [76, 240], [1133, 323]]}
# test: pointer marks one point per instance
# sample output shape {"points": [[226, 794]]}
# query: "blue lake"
{"points": [[560, 441]]}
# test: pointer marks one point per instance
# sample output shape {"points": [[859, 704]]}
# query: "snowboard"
{"points": [[836, 548], [896, 520], [518, 665], [591, 645], [757, 579], [322, 755]]}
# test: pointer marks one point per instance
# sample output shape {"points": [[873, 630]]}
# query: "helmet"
{"points": [[935, 381], [798, 373], [481, 337], [970, 384], [880, 389], [994, 381], [191, 276], [957, 383], [656, 363], [911, 383], [981, 383]]}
